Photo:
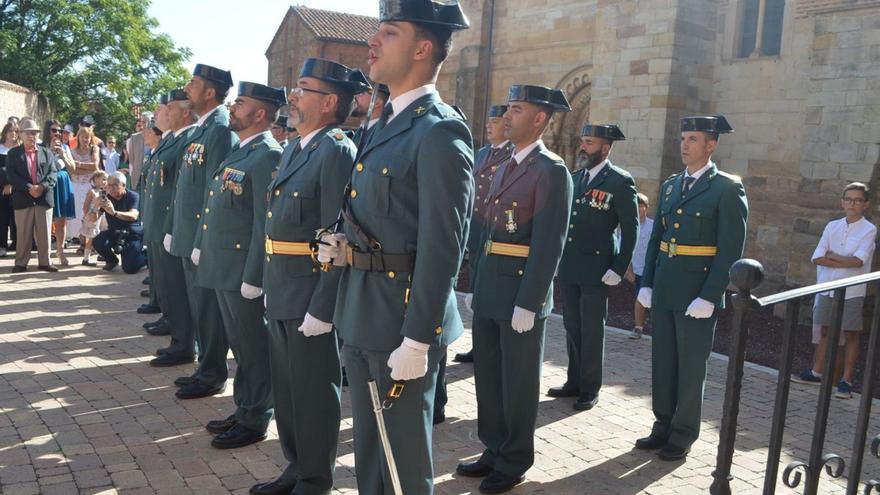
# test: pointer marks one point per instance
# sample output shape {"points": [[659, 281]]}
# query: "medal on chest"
{"points": [[511, 221], [600, 200], [232, 180]]}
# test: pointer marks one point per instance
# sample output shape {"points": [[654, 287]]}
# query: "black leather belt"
{"points": [[379, 261]]}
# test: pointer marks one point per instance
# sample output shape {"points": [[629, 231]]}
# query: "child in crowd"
{"points": [[91, 214], [637, 266]]}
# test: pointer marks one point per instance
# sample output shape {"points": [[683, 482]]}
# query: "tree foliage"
{"points": [[99, 57]]}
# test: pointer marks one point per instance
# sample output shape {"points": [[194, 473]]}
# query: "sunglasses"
{"points": [[299, 91], [55, 131]]}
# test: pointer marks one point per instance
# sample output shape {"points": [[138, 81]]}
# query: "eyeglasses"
{"points": [[853, 201], [55, 130], [299, 91]]}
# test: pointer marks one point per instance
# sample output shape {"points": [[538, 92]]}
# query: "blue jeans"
{"points": [[133, 256]]}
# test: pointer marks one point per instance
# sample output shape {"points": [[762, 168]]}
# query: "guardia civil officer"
{"points": [[306, 196], [229, 248], [178, 119], [153, 305], [279, 130], [203, 151], [486, 163], [595, 258], [699, 232], [362, 106], [528, 206], [406, 219]]}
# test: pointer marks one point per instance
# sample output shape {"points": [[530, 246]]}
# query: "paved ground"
{"points": [[82, 412]]}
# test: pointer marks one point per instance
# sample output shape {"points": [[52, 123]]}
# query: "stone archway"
{"points": [[563, 136]]}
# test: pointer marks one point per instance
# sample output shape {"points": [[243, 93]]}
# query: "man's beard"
{"points": [[294, 118], [359, 112], [587, 160]]}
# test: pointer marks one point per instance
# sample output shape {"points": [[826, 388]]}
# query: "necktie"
{"points": [[236, 147], [32, 165], [511, 166], [688, 182], [387, 112]]}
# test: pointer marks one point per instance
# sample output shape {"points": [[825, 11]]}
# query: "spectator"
{"points": [[8, 140], [845, 249], [92, 215], [30, 169], [67, 136], [637, 266], [65, 204], [124, 234], [135, 147], [86, 155], [12, 120], [111, 156]]}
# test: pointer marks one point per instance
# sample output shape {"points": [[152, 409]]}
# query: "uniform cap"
{"points": [[539, 95], [219, 76], [716, 124], [445, 14], [605, 131], [276, 96]]}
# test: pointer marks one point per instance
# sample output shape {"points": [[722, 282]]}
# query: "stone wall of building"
{"points": [[19, 101]]}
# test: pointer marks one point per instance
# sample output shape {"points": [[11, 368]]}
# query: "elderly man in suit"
{"points": [[31, 171]]}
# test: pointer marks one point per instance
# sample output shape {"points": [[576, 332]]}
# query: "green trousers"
{"points": [[306, 386], [151, 272], [585, 309], [248, 338], [680, 348], [409, 422], [210, 333], [168, 279], [507, 372]]}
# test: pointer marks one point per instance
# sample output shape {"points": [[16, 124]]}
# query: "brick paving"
{"points": [[82, 412]]}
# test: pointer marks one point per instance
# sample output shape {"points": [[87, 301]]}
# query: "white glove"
{"points": [[195, 256], [166, 243], [700, 308], [312, 326], [611, 278], [644, 297], [523, 320], [248, 291], [409, 361], [469, 301], [328, 248]]}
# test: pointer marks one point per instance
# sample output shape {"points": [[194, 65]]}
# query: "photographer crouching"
{"points": [[124, 235]]}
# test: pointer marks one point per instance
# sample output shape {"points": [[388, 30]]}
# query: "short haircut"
{"points": [[97, 174], [272, 110], [858, 186], [642, 199], [440, 38], [117, 178], [344, 101], [221, 91]]}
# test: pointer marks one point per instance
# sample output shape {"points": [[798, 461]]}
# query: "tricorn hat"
{"points": [[605, 131], [281, 121], [445, 14], [177, 95], [716, 124], [497, 111], [219, 76], [344, 78], [539, 95], [275, 96]]}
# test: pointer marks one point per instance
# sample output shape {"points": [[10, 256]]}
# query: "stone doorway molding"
{"points": [[563, 135]]}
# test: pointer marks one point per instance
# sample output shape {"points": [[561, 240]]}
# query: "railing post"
{"points": [[746, 275], [858, 451]]}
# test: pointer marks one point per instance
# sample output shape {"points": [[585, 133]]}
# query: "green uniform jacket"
{"points": [[304, 197], [414, 194], [202, 153], [592, 246], [232, 233], [159, 185], [538, 192], [714, 213], [143, 200], [485, 166]]}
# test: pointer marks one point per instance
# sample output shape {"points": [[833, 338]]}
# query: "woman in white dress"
{"points": [[86, 154]]}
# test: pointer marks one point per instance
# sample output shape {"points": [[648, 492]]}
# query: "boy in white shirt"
{"points": [[845, 249], [637, 265]]}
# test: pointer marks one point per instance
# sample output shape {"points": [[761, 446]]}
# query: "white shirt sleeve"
{"points": [[822, 247], [865, 251]]}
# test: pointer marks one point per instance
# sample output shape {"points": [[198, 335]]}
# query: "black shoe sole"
{"points": [[503, 489], [236, 445], [209, 393], [165, 364], [184, 381], [676, 457], [474, 473], [219, 430]]}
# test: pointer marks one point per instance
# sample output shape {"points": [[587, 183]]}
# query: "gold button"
{"points": [[359, 167], [598, 252], [476, 209], [672, 240], [480, 186], [495, 219], [207, 210], [705, 268], [198, 216], [268, 259], [354, 194], [478, 197], [385, 171], [514, 204], [438, 330], [314, 270], [296, 194], [676, 225], [277, 193], [151, 196], [238, 246], [482, 176], [519, 272], [205, 227], [391, 274], [574, 213], [216, 177], [269, 214], [210, 193], [698, 213], [571, 225], [496, 201], [569, 239], [679, 211]]}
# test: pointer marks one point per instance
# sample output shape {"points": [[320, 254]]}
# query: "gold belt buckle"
{"points": [[349, 255], [268, 245], [488, 246], [673, 250]]}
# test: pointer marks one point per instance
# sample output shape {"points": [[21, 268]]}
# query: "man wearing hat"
{"points": [[596, 257], [154, 304], [167, 277], [488, 159], [229, 250], [699, 232], [362, 106], [304, 197], [279, 131], [405, 227], [528, 205], [203, 151]]}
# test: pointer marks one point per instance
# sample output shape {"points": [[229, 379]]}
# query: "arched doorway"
{"points": [[563, 137]]}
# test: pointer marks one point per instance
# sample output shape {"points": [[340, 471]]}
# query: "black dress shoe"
{"points": [[439, 417], [586, 403], [198, 390], [145, 293], [146, 280], [160, 330], [563, 391], [19, 269], [476, 469], [238, 436], [464, 357], [650, 442], [160, 321], [183, 381], [499, 483], [218, 426], [110, 265], [276, 487], [47, 268], [172, 360], [148, 309], [673, 452]]}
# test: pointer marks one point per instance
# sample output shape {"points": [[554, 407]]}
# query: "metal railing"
{"points": [[746, 275]]}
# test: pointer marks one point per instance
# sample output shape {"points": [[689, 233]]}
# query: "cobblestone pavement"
{"points": [[82, 412]]}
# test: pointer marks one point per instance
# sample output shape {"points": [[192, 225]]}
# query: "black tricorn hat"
{"points": [[163, 99], [715, 124], [497, 111], [446, 14], [344, 78], [276, 96], [281, 121], [539, 95], [219, 76], [380, 87], [605, 131], [177, 95]]}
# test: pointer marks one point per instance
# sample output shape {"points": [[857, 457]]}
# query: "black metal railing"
{"points": [[746, 275]]}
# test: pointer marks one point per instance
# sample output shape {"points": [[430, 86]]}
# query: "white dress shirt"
{"points": [[846, 239], [400, 103]]}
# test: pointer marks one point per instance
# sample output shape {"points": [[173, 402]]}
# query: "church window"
{"points": [[761, 28]]}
